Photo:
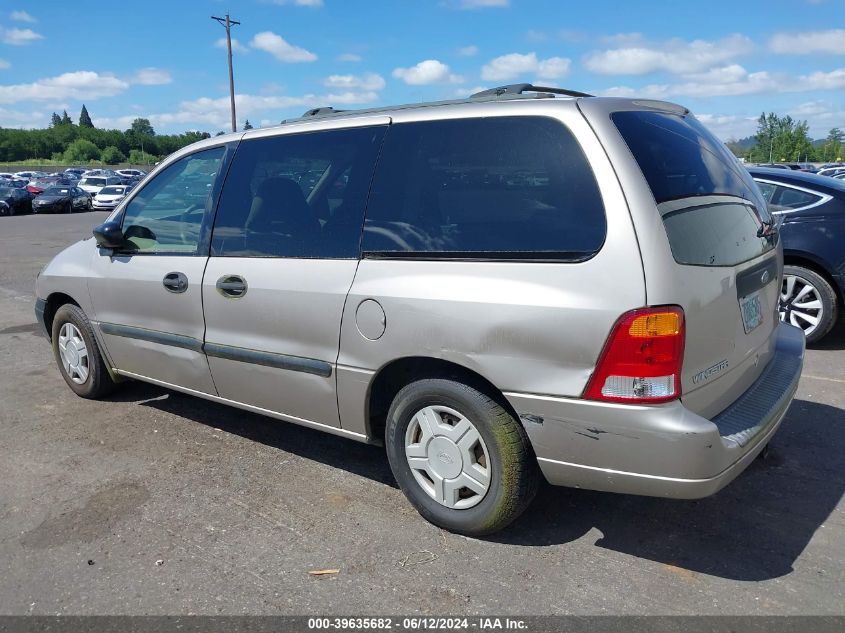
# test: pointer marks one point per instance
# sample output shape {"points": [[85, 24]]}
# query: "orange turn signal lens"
{"points": [[655, 324]]}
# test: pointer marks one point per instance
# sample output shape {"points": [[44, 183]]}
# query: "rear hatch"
{"points": [[707, 242]]}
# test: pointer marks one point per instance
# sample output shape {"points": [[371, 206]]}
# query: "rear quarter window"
{"points": [[498, 187], [712, 210]]}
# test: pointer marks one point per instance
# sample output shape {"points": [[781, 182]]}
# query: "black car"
{"points": [[812, 213], [62, 200], [16, 200]]}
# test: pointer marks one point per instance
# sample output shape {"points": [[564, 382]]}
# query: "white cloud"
{"points": [[729, 126], [349, 57], [831, 42], [675, 56], [151, 77], [237, 47], [301, 3], [429, 71], [21, 16], [367, 82], [280, 49], [83, 85], [23, 120], [19, 37], [734, 80], [517, 65], [4, 63], [481, 4], [468, 51]]}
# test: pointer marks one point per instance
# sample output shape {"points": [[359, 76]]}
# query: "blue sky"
{"points": [[725, 60]]}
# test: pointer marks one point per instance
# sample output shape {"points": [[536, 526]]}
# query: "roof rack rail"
{"points": [[518, 89], [321, 111]]}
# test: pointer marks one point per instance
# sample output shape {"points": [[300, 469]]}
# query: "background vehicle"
{"points": [[109, 197], [831, 171], [463, 281], [38, 185], [17, 200], [93, 184], [812, 212], [62, 200], [130, 173]]}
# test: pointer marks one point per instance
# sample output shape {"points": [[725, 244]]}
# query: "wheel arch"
{"points": [[390, 378], [55, 301]]}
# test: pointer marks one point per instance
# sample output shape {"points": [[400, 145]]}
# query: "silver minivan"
{"points": [[528, 282]]}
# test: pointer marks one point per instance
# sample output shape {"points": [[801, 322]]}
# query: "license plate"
{"points": [[752, 313]]}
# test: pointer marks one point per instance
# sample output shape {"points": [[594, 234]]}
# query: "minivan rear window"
{"points": [[713, 212], [497, 187]]}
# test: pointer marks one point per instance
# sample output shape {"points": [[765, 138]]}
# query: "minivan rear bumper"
{"points": [[664, 450]]}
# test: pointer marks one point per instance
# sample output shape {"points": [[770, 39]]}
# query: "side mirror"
{"points": [[109, 235]]}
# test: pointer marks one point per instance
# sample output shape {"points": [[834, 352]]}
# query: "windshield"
{"points": [[111, 191], [56, 191], [96, 182], [5, 191]]}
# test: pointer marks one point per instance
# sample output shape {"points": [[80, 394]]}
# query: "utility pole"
{"points": [[227, 23]]}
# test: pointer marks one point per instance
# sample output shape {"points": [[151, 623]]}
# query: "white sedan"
{"points": [[109, 197]]}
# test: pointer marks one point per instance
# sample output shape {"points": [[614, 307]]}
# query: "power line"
{"points": [[227, 23]]}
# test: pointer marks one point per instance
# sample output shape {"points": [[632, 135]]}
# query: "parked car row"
{"points": [[73, 189]]}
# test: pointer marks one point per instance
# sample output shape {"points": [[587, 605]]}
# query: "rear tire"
{"points": [[808, 301], [456, 435], [78, 355]]}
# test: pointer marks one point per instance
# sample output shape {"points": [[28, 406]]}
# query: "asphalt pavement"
{"points": [[154, 502]]}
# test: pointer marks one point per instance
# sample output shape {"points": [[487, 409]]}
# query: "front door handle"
{"points": [[231, 286], [175, 282]]}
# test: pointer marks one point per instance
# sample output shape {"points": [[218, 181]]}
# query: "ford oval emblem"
{"points": [[764, 278], [444, 457]]}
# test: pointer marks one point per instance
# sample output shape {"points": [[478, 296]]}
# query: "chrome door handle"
{"points": [[175, 282], [231, 286]]}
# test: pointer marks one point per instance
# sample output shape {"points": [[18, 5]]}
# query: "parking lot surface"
{"points": [[155, 502]]}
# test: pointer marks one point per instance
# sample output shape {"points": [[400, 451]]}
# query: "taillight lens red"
{"points": [[642, 358]]}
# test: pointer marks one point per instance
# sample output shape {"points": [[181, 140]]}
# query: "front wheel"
{"points": [[77, 354], [69, 207], [461, 459], [807, 301]]}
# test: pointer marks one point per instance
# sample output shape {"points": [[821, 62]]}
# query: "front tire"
{"points": [[808, 301], [77, 354], [69, 207], [461, 459]]}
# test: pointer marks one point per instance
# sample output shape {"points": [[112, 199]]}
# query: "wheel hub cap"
{"points": [[448, 457], [73, 353]]}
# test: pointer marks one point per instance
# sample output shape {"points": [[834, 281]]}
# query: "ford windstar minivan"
{"points": [[528, 282]]}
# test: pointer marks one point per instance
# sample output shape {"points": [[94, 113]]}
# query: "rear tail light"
{"points": [[642, 358]]}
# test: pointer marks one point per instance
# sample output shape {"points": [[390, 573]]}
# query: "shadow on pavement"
{"points": [[754, 529], [360, 459]]}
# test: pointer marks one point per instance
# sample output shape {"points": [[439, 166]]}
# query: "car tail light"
{"points": [[642, 358]]}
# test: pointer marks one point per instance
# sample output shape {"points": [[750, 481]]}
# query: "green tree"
{"points": [[832, 148], [81, 150], [85, 118], [780, 139], [55, 120], [137, 157], [112, 156], [247, 125], [66, 119], [142, 127]]}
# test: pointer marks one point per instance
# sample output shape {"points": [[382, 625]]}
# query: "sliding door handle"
{"points": [[231, 286], [175, 282]]}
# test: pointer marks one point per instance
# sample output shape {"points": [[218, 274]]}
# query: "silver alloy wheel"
{"points": [[448, 457], [800, 304], [74, 353]]}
